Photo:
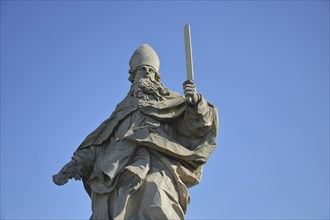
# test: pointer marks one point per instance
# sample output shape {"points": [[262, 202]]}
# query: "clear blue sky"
{"points": [[264, 64]]}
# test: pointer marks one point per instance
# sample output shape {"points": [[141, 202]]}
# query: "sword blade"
{"points": [[189, 59]]}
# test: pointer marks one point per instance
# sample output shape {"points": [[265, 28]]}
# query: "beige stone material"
{"points": [[139, 163]]}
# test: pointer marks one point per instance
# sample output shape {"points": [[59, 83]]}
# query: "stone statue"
{"points": [[139, 163]]}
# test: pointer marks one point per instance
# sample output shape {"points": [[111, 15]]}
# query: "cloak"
{"points": [[185, 151], [168, 110]]}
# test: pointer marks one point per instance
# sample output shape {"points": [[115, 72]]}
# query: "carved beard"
{"points": [[148, 89]]}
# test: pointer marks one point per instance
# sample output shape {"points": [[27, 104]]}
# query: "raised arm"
{"points": [[198, 116]]}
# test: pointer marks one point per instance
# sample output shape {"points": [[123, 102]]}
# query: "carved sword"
{"points": [[189, 60]]}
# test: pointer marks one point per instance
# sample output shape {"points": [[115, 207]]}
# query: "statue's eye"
{"points": [[143, 68]]}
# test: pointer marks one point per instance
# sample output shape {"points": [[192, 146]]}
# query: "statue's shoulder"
{"points": [[128, 101]]}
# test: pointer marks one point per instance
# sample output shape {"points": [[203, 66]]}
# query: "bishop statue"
{"points": [[140, 162]]}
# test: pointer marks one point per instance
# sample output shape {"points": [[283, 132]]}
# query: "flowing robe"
{"points": [[139, 163]]}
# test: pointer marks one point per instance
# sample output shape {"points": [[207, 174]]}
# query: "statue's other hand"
{"points": [[60, 179], [69, 171]]}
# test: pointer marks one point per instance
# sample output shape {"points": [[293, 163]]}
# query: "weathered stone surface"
{"points": [[139, 162]]}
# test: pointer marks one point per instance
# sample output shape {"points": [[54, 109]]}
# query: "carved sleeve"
{"points": [[85, 159], [199, 118]]}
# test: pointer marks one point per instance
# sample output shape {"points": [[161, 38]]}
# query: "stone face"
{"points": [[139, 162]]}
